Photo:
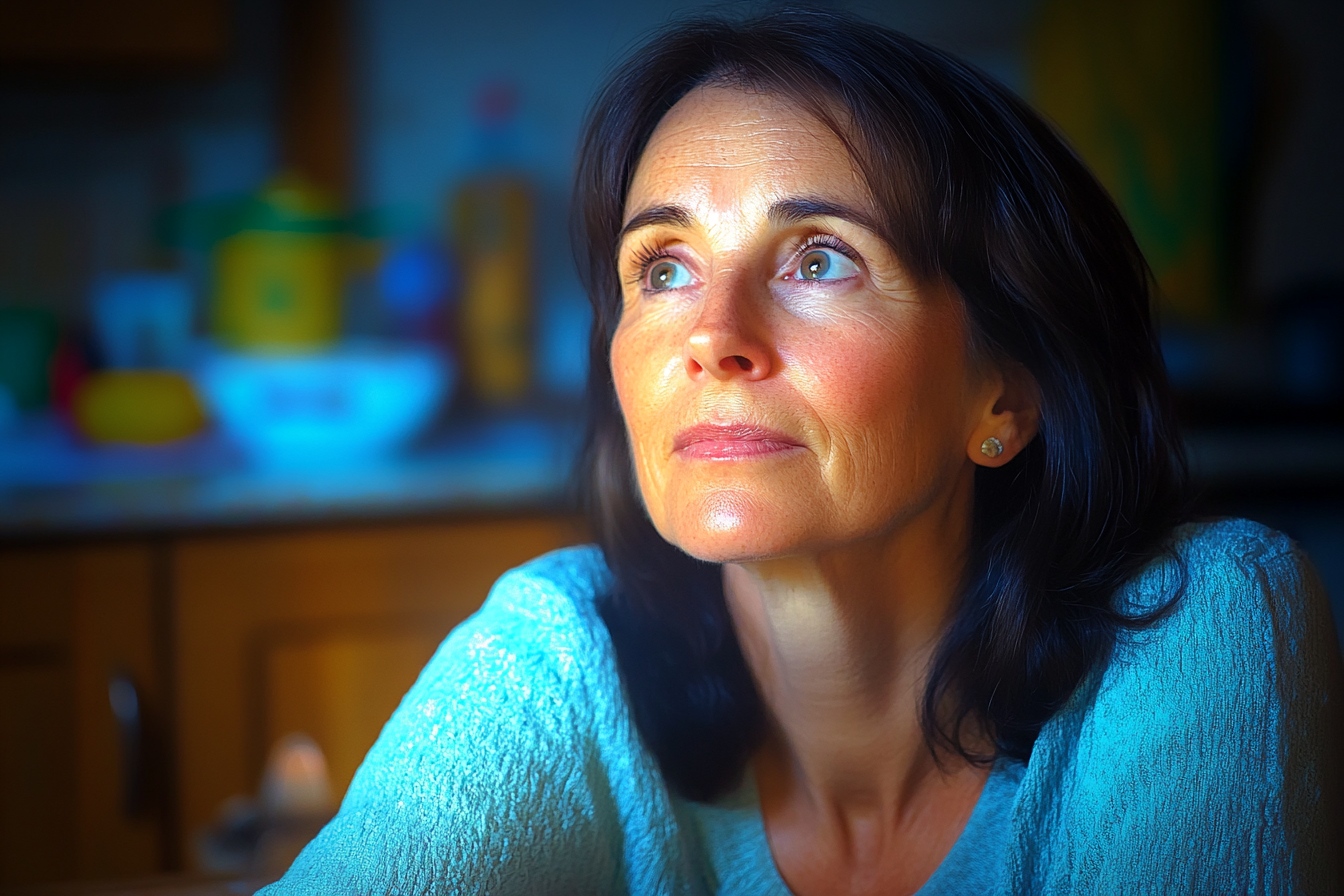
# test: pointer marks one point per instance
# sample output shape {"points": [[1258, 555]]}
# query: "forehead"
{"points": [[726, 144]]}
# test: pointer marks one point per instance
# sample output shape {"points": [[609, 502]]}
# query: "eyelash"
{"points": [[645, 256], [827, 241]]}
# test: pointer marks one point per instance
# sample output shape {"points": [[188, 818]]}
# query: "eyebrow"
{"points": [[795, 211], [652, 217], [782, 213]]}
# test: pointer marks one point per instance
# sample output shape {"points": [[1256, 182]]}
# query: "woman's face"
{"points": [[788, 387]]}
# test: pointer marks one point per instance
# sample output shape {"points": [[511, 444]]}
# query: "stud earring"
{"points": [[991, 447]]}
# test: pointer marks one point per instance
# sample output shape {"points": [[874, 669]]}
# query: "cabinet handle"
{"points": [[128, 710]]}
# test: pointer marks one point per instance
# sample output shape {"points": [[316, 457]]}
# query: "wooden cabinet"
{"points": [[37, 709], [70, 620], [231, 641]]}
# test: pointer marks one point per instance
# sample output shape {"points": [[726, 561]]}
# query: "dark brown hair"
{"points": [[975, 187]]}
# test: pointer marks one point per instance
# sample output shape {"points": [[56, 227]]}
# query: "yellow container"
{"points": [[278, 276], [278, 290], [137, 407]]}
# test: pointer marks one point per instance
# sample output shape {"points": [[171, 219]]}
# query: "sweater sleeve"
{"points": [[489, 778], [1199, 761]]}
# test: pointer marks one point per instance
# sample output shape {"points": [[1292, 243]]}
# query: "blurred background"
{"points": [[291, 351]]}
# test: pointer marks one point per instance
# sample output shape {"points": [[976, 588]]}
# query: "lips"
{"points": [[731, 441]]}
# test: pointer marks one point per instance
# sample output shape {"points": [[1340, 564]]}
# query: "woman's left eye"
{"points": [[821, 263], [666, 274]]}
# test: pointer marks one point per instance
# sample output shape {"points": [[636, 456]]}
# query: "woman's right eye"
{"points": [[667, 274]]}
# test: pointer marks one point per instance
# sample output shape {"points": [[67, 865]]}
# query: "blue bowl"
{"points": [[350, 404]]}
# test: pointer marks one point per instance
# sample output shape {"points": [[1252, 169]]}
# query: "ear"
{"points": [[1011, 413]]}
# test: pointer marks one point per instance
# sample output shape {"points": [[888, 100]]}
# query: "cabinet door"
{"points": [[70, 619], [320, 632], [124, 816], [37, 708]]}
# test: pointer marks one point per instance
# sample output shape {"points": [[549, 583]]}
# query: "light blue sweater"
{"points": [[1195, 762]]}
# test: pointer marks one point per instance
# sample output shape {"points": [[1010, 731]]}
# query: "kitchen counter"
{"points": [[53, 483]]}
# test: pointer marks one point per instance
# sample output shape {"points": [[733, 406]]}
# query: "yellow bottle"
{"points": [[493, 222]]}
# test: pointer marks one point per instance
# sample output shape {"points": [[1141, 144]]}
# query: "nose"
{"points": [[728, 339]]}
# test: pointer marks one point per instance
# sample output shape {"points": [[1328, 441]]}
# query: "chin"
{"points": [[733, 528]]}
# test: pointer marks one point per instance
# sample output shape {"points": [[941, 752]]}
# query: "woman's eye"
{"points": [[667, 274], [823, 264]]}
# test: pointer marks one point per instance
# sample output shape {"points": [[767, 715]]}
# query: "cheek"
{"points": [[639, 371], [892, 398], [642, 371], [630, 379], [621, 373]]}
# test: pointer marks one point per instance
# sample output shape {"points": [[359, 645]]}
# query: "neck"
{"points": [[839, 643]]}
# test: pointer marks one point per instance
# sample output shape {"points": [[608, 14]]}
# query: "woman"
{"points": [[890, 594]]}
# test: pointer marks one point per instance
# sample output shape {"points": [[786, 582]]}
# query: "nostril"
{"points": [[743, 362]]}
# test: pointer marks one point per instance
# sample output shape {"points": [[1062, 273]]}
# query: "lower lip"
{"points": [[736, 449]]}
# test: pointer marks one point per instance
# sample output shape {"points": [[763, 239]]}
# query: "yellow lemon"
{"points": [[138, 407]]}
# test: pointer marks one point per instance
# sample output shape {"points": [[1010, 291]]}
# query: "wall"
{"points": [[86, 160], [89, 156]]}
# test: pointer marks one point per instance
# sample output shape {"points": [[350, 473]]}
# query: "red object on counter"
{"points": [[69, 368]]}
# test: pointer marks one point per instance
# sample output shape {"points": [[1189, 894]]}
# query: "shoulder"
{"points": [[1214, 663], [1237, 557], [545, 604], [574, 575], [536, 643], [1243, 597], [1245, 642], [1229, 558], [1196, 756], [1233, 600]]}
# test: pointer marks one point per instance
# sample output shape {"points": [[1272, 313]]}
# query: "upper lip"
{"points": [[729, 432]]}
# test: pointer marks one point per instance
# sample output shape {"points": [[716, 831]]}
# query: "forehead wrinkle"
{"points": [[732, 148], [693, 146], [754, 139], [734, 144]]}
